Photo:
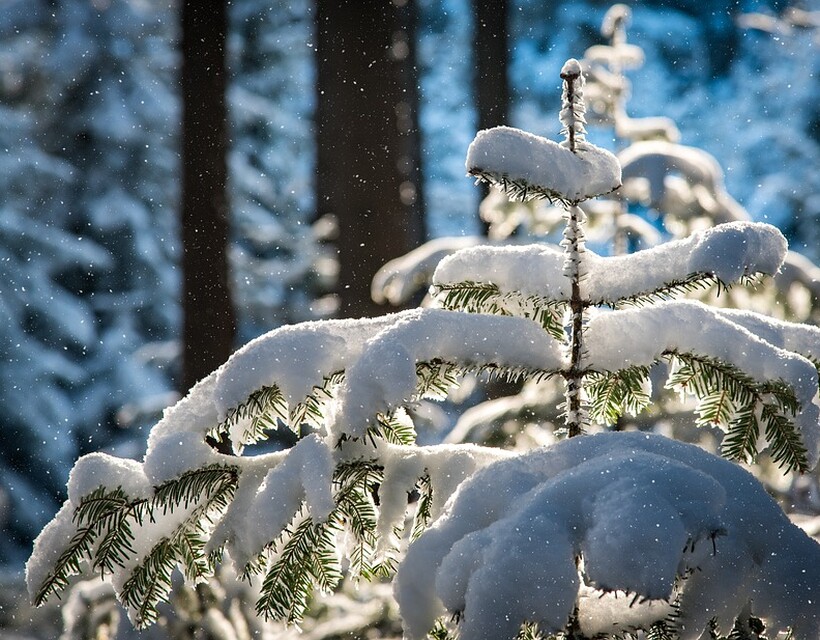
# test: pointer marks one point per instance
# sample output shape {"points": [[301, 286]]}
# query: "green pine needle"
{"points": [[730, 397], [262, 412], [306, 555], [740, 442], [423, 515], [675, 288], [613, 393], [393, 430], [486, 297]]}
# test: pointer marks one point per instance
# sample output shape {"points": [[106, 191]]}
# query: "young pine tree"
{"points": [[601, 535]]}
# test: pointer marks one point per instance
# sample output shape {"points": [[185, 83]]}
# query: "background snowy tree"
{"points": [[88, 242]]}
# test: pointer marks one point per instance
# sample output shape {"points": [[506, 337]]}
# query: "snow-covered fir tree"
{"points": [[601, 534], [280, 269]]}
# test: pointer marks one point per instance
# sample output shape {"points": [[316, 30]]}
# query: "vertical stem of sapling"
{"points": [[574, 377], [572, 119]]}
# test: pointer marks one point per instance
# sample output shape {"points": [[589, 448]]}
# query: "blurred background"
{"points": [[178, 178]]}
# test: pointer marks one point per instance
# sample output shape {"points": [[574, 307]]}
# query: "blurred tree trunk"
{"points": [[368, 166], [209, 319], [491, 51]]}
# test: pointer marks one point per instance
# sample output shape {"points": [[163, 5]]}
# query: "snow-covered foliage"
{"points": [[577, 523], [666, 532], [90, 116]]}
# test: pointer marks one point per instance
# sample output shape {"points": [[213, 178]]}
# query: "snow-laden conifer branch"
{"points": [[721, 256], [743, 382], [385, 376], [600, 498], [527, 166], [111, 529], [306, 554]]}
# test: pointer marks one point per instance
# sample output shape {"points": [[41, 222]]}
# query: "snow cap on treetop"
{"points": [[571, 69], [525, 166]]}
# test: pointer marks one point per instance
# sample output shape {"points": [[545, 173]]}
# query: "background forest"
{"points": [[127, 274]]}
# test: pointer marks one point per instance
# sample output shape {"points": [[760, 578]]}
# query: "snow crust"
{"points": [[505, 154], [728, 252], [639, 510]]}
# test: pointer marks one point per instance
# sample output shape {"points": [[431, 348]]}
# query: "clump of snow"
{"points": [[301, 476], [543, 167], [100, 469], [384, 376], [571, 69], [639, 510], [400, 278], [294, 358], [799, 338], [175, 453], [728, 252]]}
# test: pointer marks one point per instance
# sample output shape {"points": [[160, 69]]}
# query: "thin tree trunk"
{"points": [[490, 82], [209, 318], [367, 145]]}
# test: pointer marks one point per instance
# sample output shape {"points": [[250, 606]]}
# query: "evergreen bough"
{"points": [[337, 502]]}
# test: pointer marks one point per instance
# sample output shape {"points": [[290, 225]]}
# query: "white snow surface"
{"points": [[639, 509], [512, 155], [100, 469], [400, 278], [531, 270], [384, 376], [728, 251]]}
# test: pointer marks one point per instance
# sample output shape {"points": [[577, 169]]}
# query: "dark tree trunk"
{"points": [[490, 42], [367, 139], [209, 319], [491, 51]]}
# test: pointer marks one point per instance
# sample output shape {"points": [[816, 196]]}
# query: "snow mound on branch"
{"points": [[295, 358], [640, 511], [532, 270], [727, 252], [384, 376], [532, 164]]}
